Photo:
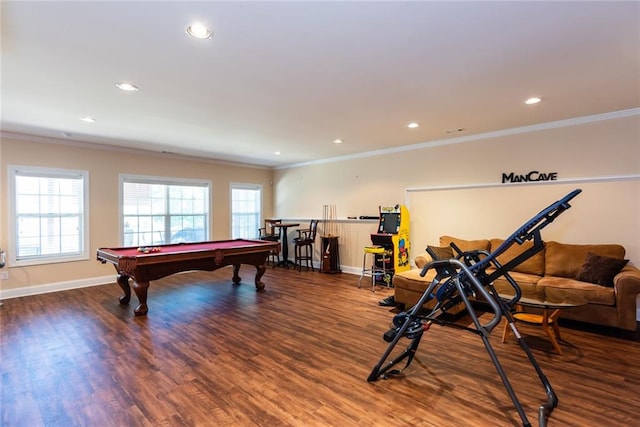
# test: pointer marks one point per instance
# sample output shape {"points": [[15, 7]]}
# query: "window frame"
{"points": [[245, 186], [160, 180], [15, 170]]}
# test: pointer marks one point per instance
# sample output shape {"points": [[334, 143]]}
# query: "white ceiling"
{"points": [[294, 76]]}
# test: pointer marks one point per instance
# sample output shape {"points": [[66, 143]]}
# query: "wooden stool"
{"points": [[548, 322]]}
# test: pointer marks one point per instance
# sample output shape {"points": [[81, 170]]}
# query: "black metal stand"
{"points": [[458, 279]]}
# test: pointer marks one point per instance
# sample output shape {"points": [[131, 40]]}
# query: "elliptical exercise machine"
{"points": [[458, 279]]}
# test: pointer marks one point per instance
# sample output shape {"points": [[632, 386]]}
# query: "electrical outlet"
{"points": [[4, 275]]}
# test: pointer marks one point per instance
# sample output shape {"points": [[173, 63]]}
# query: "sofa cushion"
{"points": [[533, 265], [466, 245], [412, 280], [560, 288], [527, 282], [600, 269], [566, 260]]}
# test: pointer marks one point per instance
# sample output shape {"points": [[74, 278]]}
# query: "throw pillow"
{"points": [[442, 252], [600, 269], [466, 245]]}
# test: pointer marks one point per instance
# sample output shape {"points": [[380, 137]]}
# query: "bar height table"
{"points": [[285, 242]]}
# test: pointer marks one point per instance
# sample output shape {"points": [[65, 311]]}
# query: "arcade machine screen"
{"points": [[389, 223]]}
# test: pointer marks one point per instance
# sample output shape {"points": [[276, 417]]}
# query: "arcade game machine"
{"points": [[393, 235]]}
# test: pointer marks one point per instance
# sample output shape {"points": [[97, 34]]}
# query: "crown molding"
{"points": [[107, 147], [480, 136]]}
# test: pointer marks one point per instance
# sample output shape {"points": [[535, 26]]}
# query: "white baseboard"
{"points": [[351, 270], [55, 287]]}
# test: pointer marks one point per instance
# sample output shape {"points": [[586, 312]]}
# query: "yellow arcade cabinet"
{"points": [[393, 235]]}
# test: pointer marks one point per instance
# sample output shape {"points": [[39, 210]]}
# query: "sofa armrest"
{"points": [[627, 287], [422, 260]]}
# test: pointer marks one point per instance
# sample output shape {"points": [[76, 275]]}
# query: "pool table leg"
{"points": [[123, 282], [236, 276], [141, 292], [260, 269]]}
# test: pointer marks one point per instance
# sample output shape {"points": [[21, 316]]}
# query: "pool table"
{"points": [[145, 264]]}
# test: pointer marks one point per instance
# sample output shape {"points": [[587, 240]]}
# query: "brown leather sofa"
{"points": [[553, 272]]}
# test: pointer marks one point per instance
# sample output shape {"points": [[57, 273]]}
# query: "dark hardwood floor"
{"points": [[213, 354]]}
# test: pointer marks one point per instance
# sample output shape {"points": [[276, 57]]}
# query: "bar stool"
{"points": [[268, 232], [375, 271], [304, 245]]}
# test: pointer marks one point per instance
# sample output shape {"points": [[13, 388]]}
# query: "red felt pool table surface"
{"points": [[163, 260], [187, 247]]}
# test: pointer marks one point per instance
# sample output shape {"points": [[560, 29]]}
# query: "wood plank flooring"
{"points": [[213, 354]]}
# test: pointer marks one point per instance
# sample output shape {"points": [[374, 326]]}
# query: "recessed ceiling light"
{"points": [[126, 87], [277, 153], [532, 100], [199, 31], [413, 125], [338, 141], [88, 119]]}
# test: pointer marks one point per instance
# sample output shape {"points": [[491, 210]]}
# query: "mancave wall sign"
{"points": [[533, 176]]}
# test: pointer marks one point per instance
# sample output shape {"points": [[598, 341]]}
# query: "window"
{"points": [[163, 210], [246, 210], [48, 215]]}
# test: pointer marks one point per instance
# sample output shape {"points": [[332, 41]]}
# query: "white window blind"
{"points": [[49, 214], [246, 210], [161, 210]]}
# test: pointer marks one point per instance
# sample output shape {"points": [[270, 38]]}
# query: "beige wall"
{"points": [[104, 167], [458, 191], [449, 189]]}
